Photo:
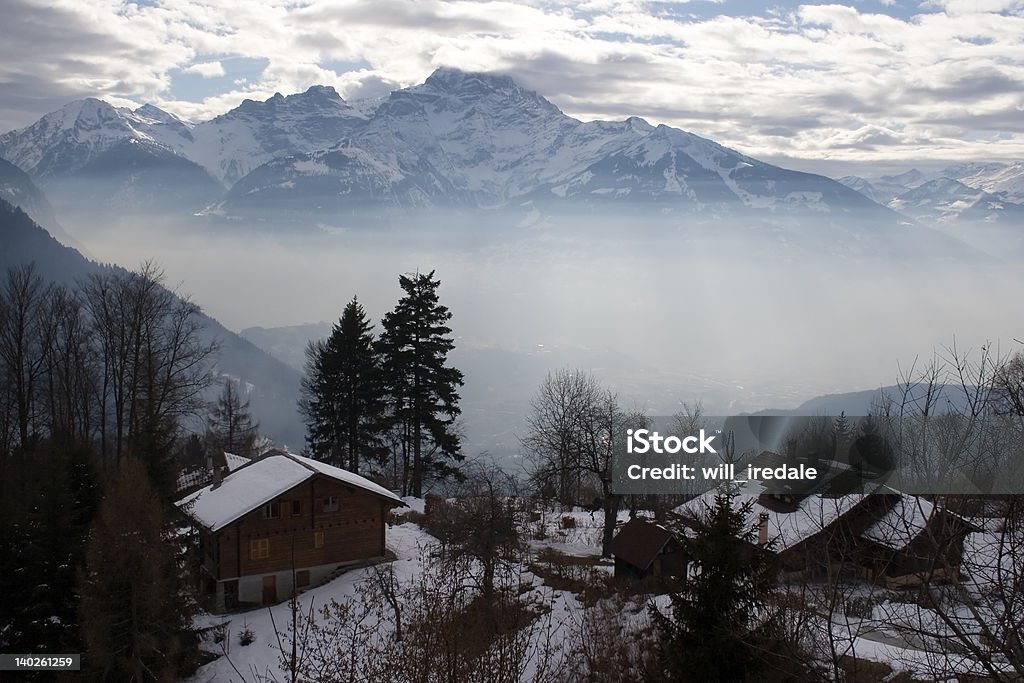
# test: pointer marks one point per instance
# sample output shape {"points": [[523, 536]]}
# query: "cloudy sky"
{"points": [[817, 86]]}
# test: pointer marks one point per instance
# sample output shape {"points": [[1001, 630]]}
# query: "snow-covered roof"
{"points": [[260, 481], [814, 514], [896, 528], [346, 476], [902, 523]]}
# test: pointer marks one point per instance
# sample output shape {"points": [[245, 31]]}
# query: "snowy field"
{"points": [[574, 539]]}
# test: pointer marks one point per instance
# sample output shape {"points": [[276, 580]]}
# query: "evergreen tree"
{"points": [[422, 390], [716, 630], [136, 616], [43, 529], [342, 393], [231, 428]]}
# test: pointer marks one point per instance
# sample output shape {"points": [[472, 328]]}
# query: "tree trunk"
{"points": [[611, 515]]}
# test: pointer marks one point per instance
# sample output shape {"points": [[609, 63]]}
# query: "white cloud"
{"points": [[206, 69]]}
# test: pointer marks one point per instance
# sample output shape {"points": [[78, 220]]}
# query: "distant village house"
{"points": [[643, 549], [885, 536]]}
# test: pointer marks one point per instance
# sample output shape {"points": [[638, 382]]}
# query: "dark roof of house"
{"points": [[639, 542]]}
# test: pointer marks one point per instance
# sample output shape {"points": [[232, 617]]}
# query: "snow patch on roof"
{"points": [[902, 524], [260, 481], [787, 529], [244, 490], [346, 476]]}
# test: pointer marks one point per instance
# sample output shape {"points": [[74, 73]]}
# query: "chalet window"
{"points": [[259, 549], [331, 504], [318, 539], [296, 508], [272, 510], [302, 578]]}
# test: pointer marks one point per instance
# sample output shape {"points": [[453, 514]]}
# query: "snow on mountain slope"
{"points": [[482, 141], [62, 142], [94, 156], [233, 144], [945, 200], [1006, 178], [938, 201], [877, 190]]}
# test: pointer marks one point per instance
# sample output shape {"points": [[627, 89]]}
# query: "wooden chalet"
{"points": [[282, 516]]}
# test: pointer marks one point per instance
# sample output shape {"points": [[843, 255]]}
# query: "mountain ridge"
{"points": [[470, 139]]}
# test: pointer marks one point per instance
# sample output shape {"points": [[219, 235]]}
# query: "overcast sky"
{"points": [[811, 85]]}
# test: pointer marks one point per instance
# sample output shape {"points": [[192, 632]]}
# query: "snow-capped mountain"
{"points": [[886, 188], [90, 154], [63, 142], [462, 140], [945, 200], [254, 133], [990, 192], [483, 141], [999, 178]]}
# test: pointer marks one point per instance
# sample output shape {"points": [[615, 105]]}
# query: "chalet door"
{"points": [[231, 594], [269, 589]]}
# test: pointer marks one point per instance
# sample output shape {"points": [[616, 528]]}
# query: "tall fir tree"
{"points": [[716, 629], [342, 394], [43, 529], [135, 611], [422, 390]]}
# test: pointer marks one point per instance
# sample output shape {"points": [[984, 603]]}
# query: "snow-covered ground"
{"points": [[262, 656], [411, 545], [576, 533]]}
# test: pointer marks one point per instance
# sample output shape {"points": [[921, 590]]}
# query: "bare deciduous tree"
{"points": [[155, 362], [576, 428]]}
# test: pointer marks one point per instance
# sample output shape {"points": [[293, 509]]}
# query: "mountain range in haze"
{"points": [[459, 141], [970, 192]]}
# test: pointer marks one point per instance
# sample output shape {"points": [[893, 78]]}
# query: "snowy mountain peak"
{"points": [[254, 133], [157, 115], [323, 91], [65, 140], [459, 138], [452, 89], [322, 97], [947, 186], [465, 82], [639, 125], [1006, 178], [911, 178], [85, 114]]}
